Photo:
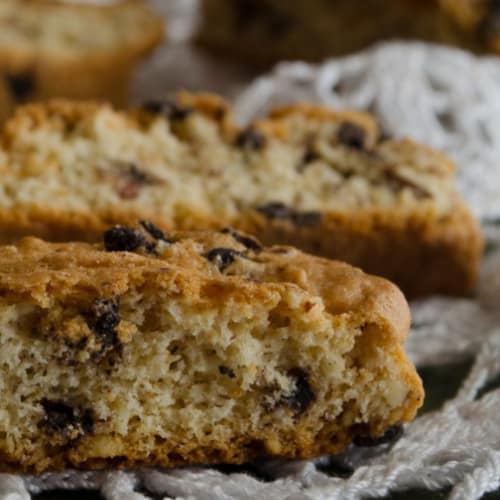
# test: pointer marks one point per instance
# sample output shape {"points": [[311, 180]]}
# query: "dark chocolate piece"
{"points": [[123, 239], [352, 135], [71, 422], [251, 138], [21, 86], [133, 179], [276, 210], [154, 231], [309, 157], [103, 318], [172, 110], [222, 257], [224, 370], [250, 243], [302, 396]]}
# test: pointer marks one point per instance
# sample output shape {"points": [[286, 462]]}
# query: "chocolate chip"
{"points": [[251, 138], [71, 422], [122, 239], [250, 243], [276, 210], [391, 435], [303, 395], [21, 86], [172, 110], [224, 370], [103, 318], [220, 113], [154, 231], [222, 257], [133, 178], [137, 175], [309, 157], [352, 135]]}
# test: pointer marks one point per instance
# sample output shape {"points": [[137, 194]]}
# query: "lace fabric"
{"points": [[448, 99]]}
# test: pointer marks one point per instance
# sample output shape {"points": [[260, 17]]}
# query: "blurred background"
{"points": [[219, 45]]}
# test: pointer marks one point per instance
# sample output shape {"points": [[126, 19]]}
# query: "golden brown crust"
{"points": [[42, 273], [32, 265], [422, 253]]}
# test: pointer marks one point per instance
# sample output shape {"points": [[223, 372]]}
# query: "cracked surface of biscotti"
{"points": [[52, 49], [169, 349], [321, 180]]}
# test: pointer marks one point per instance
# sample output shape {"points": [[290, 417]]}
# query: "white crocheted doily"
{"points": [[446, 98]]}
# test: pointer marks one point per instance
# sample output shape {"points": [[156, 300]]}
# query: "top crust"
{"points": [[44, 272]]}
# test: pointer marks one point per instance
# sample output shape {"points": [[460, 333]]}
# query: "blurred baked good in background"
{"points": [[50, 48], [265, 31]]}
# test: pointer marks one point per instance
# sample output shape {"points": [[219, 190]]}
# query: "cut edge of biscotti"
{"points": [[193, 348], [407, 168], [305, 175]]}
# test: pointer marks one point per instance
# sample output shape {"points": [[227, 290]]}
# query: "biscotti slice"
{"points": [[187, 348], [267, 31], [321, 180], [56, 49]]}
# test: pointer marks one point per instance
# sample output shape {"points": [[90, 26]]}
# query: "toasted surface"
{"points": [[322, 180], [197, 347]]}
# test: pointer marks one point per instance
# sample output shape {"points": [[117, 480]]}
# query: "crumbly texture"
{"points": [[316, 30], [321, 180], [193, 347], [52, 49]]}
